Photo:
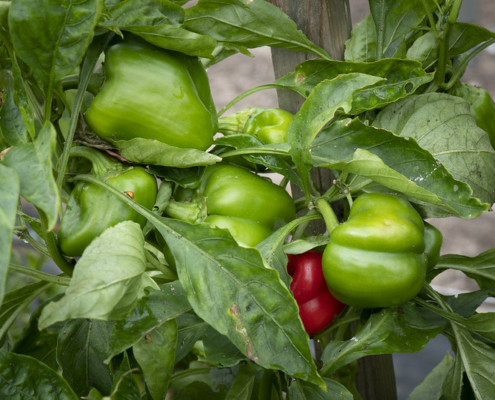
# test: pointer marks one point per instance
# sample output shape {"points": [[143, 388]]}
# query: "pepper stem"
{"points": [[101, 162]]}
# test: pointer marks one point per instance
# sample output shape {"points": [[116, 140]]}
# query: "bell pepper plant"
{"points": [[168, 223]]}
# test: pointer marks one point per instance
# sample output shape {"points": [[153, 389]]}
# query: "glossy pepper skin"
{"points": [[269, 125], [433, 244], [247, 205], [317, 306], [153, 93], [377, 257], [482, 107], [91, 209]]}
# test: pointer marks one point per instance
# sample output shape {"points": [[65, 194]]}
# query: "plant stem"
{"points": [[445, 43], [52, 246], [430, 18], [42, 276], [246, 94], [302, 227], [167, 272], [329, 216]]}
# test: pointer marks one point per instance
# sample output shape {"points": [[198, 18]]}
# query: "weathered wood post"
{"points": [[327, 23]]}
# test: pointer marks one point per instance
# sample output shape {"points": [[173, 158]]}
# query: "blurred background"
{"points": [[467, 237]]}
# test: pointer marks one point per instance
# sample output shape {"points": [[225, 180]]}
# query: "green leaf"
{"points": [[250, 24], [159, 22], [215, 270], [300, 390], [67, 27], [303, 245], [11, 122], [21, 99], [319, 109], [106, 279], [481, 268], [394, 20], [443, 125], [150, 313], [431, 387], [393, 161], [124, 386], [401, 79], [477, 360], [81, 351], [25, 377], [272, 248], [41, 345], [219, 350], [425, 49], [386, 332], [465, 304], [33, 164], [243, 384], [190, 328], [150, 151], [9, 197], [361, 46], [155, 355], [464, 37]]}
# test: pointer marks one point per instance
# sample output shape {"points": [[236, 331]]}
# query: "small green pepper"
{"points": [[232, 198], [91, 209], [269, 125], [153, 93], [377, 258]]}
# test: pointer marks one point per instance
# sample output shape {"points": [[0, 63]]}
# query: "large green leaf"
{"points": [[159, 22], [155, 355], [152, 311], [386, 332], [393, 161], [250, 24], [25, 377], [67, 27], [443, 125], [107, 278], [425, 49], [9, 197], [149, 151], [11, 122], [81, 351], [33, 164], [319, 109]]}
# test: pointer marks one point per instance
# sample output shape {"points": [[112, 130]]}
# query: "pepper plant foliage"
{"points": [[176, 307]]}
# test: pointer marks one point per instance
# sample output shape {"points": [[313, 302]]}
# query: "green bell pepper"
{"points": [[482, 107], [378, 257], [269, 125], [153, 93], [232, 198], [433, 243], [91, 209]]}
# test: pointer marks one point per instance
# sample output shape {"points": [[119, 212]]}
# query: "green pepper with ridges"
{"points": [[91, 209], [153, 93], [378, 257]]}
